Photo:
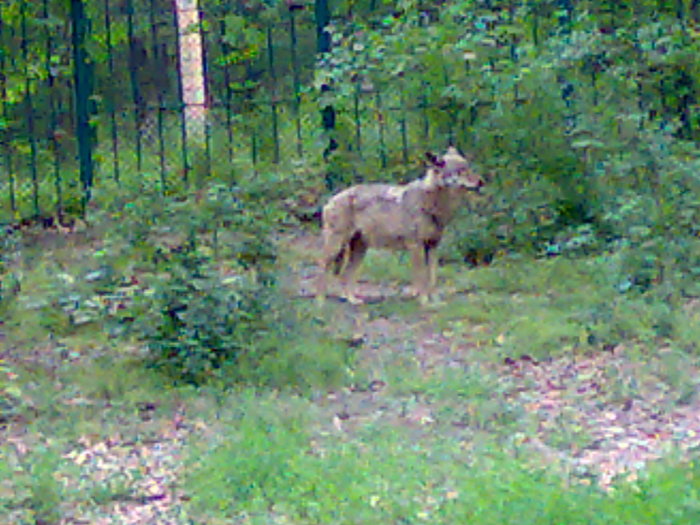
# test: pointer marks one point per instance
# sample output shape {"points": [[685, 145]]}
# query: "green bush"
{"points": [[200, 326], [194, 321], [209, 304]]}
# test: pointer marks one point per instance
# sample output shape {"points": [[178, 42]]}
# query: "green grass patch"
{"points": [[546, 307], [274, 465], [386, 266]]}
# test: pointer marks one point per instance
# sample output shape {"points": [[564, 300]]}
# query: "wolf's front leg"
{"points": [[432, 267], [420, 272]]}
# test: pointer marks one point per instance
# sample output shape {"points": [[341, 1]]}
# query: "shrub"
{"points": [[194, 321], [200, 326], [210, 306]]}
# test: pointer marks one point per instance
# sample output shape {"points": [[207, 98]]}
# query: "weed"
{"points": [[45, 492]]}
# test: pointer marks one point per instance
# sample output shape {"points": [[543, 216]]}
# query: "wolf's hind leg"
{"points": [[333, 258], [356, 250]]}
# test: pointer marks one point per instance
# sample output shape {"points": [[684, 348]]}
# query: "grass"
{"points": [[544, 308], [535, 307], [275, 467], [64, 408], [442, 439]]}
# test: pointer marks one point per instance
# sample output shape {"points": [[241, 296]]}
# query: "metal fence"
{"points": [[109, 69]]}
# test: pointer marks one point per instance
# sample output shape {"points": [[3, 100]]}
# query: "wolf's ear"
{"points": [[434, 160]]}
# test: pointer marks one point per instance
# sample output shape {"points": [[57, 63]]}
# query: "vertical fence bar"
{"points": [[29, 111], [273, 95], [403, 127], [254, 145], [110, 101], [4, 132], [451, 112], [134, 52], [10, 179], [159, 97], [82, 74], [201, 27], [424, 112], [323, 45], [225, 50], [380, 124], [469, 116], [295, 75], [358, 120], [53, 120]]}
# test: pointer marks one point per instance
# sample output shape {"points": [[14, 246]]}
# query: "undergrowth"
{"points": [[546, 307]]}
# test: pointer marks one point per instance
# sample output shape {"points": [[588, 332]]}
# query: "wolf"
{"points": [[410, 217]]}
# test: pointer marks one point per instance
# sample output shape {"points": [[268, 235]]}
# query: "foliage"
{"points": [[210, 304], [194, 321], [581, 138], [45, 490], [35, 485], [200, 325]]}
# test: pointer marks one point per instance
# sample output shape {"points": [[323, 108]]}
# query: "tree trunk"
{"points": [[82, 72], [191, 70]]}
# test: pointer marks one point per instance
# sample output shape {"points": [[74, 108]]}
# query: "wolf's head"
{"points": [[453, 170]]}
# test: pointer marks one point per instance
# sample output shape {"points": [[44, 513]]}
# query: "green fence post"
{"points": [[4, 132], [159, 98], [424, 113], [53, 121], [403, 126], [450, 110], [254, 145], [135, 88], [323, 45], [225, 50], [83, 83], [381, 124], [273, 95], [358, 120], [110, 102], [29, 111], [293, 7], [203, 29]]}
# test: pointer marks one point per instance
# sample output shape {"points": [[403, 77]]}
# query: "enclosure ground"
{"points": [[597, 416]]}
